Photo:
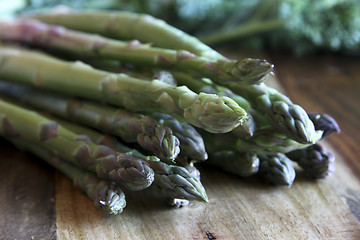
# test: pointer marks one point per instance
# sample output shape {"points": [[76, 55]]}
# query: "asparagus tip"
{"points": [[253, 71]]}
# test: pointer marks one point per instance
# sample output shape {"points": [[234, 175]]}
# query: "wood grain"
{"points": [[239, 208], [27, 196]]}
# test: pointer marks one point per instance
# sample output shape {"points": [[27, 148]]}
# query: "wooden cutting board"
{"points": [[37, 202]]}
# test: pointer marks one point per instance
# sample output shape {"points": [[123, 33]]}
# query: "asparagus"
{"points": [[282, 114], [225, 71], [325, 123], [171, 180], [126, 25], [242, 164], [159, 133], [191, 142], [277, 169], [264, 142], [246, 129], [131, 127], [278, 109], [209, 111], [106, 196], [316, 161], [125, 169]]}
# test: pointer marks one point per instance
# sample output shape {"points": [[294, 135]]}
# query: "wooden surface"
{"points": [[37, 202]]}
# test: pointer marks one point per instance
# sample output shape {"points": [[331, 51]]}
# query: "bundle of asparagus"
{"points": [[173, 105]]}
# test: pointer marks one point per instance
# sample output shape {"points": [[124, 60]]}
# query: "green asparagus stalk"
{"points": [[242, 164], [287, 117], [209, 111], [158, 133], [246, 129], [171, 180], [131, 127], [224, 71], [278, 109], [191, 142], [264, 142], [126, 25], [125, 169], [277, 169], [316, 161], [205, 85], [106, 196]]}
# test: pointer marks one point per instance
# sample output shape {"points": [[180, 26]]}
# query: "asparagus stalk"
{"points": [[106, 196], [246, 129], [277, 169], [209, 111], [278, 109], [171, 180], [18, 123], [192, 145], [282, 114], [264, 142], [316, 161], [191, 142], [131, 127], [225, 71], [242, 164], [126, 25], [158, 133], [205, 85]]}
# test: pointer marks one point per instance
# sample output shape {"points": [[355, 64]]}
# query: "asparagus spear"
{"points": [[289, 118], [159, 133], [316, 161], [106, 196], [225, 71], [264, 142], [192, 145], [248, 127], [322, 122], [277, 169], [131, 127], [325, 123], [191, 142], [209, 111], [278, 109], [171, 180], [126, 25], [18, 123], [242, 164]]}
